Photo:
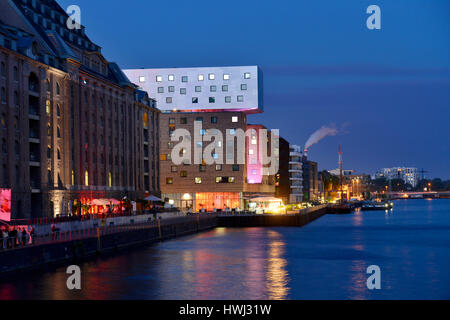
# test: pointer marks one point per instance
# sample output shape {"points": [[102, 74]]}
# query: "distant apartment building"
{"points": [[407, 174], [219, 99], [73, 127], [295, 174], [310, 179]]}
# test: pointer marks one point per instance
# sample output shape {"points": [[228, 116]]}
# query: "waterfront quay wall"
{"points": [[301, 218], [104, 240]]}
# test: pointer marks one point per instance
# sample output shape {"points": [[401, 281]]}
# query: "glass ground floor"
{"points": [[206, 200]]}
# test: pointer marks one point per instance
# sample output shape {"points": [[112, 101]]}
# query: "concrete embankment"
{"points": [[299, 219], [35, 257]]}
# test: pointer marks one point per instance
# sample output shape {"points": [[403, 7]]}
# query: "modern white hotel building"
{"points": [[221, 98]]}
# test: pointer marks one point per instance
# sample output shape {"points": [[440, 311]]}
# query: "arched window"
{"points": [[58, 90], [109, 179], [48, 85], [58, 132], [48, 107], [58, 110], [86, 178], [59, 155], [73, 178]]}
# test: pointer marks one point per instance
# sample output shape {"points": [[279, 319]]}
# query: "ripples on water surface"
{"points": [[324, 260]]}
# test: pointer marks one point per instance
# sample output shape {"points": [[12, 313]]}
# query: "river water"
{"points": [[326, 259]]}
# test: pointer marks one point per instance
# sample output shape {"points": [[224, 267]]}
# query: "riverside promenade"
{"points": [[76, 242]]}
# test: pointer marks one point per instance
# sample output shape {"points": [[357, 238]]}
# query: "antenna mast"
{"points": [[340, 174]]}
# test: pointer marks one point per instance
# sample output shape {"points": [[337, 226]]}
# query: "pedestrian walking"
{"points": [[24, 237], [31, 235], [19, 236]]}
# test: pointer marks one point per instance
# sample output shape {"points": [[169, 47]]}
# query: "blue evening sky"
{"points": [[387, 91]]}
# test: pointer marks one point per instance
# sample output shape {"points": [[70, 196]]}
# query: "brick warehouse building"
{"points": [[72, 125]]}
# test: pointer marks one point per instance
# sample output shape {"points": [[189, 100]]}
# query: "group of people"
{"points": [[12, 237]]}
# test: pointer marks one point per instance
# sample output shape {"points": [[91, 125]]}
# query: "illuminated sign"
{"points": [[5, 204]]}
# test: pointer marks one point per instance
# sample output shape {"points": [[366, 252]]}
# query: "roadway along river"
{"points": [[324, 260]]}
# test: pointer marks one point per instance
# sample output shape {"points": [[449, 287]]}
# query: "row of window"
{"points": [[214, 119], [210, 99], [202, 168], [200, 77], [199, 88], [198, 180]]}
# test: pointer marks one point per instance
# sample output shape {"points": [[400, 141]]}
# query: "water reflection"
{"points": [[324, 260]]}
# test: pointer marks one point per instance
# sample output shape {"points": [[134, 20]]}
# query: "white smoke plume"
{"points": [[319, 135]]}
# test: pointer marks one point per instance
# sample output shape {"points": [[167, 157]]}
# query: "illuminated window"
{"points": [[141, 79], [200, 77], [183, 174], [109, 179], [171, 77], [218, 167], [73, 178], [211, 76], [48, 107], [250, 151], [218, 179], [198, 180], [163, 157], [234, 119], [145, 119], [247, 75], [169, 180], [230, 179], [226, 77], [86, 178], [159, 78]]}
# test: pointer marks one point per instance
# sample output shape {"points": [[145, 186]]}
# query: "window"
{"points": [[183, 120], [173, 168], [158, 78], [200, 77], [184, 79], [198, 180], [227, 99], [235, 167], [232, 131], [247, 75], [171, 77], [230, 179], [240, 98], [202, 168], [58, 132], [16, 74], [254, 141], [3, 94], [3, 70], [218, 179], [213, 119], [58, 90], [141, 79], [234, 119], [168, 100], [250, 152], [160, 89], [198, 89], [218, 167], [86, 178], [163, 157], [59, 154], [16, 98], [171, 89], [58, 110], [194, 100], [183, 174], [182, 90], [169, 180], [109, 179], [211, 76], [170, 144], [199, 119], [243, 86], [202, 132], [212, 100], [225, 88], [213, 88], [226, 76]]}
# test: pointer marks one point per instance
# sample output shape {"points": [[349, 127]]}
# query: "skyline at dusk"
{"points": [[386, 91]]}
